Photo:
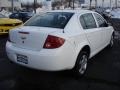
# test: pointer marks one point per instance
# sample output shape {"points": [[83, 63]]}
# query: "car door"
{"points": [[106, 30], [93, 34]]}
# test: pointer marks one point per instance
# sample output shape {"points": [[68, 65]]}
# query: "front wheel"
{"points": [[81, 64]]}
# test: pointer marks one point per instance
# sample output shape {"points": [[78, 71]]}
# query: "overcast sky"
{"points": [[85, 0], [106, 2], [31, 0]]}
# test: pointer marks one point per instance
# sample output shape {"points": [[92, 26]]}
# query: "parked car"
{"points": [[60, 40], [24, 16], [100, 11], [115, 14], [7, 24]]}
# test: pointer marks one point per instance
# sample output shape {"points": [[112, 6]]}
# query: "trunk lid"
{"points": [[30, 37]]}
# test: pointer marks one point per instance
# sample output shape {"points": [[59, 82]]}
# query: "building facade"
{"points": [[48, 4], [104, 3], [8, 3]]}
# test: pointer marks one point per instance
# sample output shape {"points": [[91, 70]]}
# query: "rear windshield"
{"points": [[50, 19]]}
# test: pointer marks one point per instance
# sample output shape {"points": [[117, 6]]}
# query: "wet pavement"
{"points": [[103, 73]]}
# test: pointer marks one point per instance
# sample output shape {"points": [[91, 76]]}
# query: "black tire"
{"points": [[81, 63], [111, 42]]}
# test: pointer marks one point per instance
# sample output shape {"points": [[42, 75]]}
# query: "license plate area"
{"points": [[22, 59]]}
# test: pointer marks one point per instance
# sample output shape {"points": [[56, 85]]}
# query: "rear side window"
{"points": [[87, 21], [50, 19], [100, 20]]}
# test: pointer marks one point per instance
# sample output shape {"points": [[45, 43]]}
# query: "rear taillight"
{"points": [[53, 42]]}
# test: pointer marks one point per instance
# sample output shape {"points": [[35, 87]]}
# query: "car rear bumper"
{"points": [[48, 60]]}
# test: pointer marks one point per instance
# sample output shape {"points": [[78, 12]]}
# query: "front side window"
{"points": [[50, 19], [83, 22], [88, 21], [100, 20]]}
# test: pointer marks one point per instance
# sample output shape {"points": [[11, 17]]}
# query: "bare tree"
{"points": [[27, 6], [66, 3], [90, 3], [56, 4], [35, 3], [116, 1], [102, 3], [110, 3], [12, 4], [96, 3], [69, 1], [73, 4]]}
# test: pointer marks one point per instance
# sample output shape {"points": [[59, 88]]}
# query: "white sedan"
{"points": [[59, 40]]}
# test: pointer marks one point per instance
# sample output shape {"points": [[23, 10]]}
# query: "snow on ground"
{"points": [[6, 13], [115, 13], [117, 35]]}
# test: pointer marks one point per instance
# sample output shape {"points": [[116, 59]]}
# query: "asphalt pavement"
{"points": [[103, 73]]}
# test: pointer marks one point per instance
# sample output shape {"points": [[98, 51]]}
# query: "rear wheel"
{"points": [[81, 64], [111, 42]]}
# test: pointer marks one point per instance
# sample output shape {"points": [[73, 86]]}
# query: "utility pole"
{"points": [[35, 2], [12, 5], [102, 3], [62, 5], [61, 2], [90, 4], [110, 3], [116, 3], [73, 4], [69, 3], [79, 3], [96, 3]]}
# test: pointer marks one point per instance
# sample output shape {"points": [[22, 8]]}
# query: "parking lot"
{"points": [[103, 72]]}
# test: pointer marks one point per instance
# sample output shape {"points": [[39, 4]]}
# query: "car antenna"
{"points": [[62, 16], [62, 12]]}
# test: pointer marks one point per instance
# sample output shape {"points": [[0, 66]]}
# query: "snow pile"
{"points": [[115, 13], [6, 13], [108, 10], [117, 35], [39, 10]]}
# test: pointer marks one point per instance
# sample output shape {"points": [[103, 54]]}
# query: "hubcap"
{"points": [[83, 64]]}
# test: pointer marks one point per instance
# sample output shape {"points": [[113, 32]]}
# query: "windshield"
{"points": [[50, 19], [2, 16]]}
